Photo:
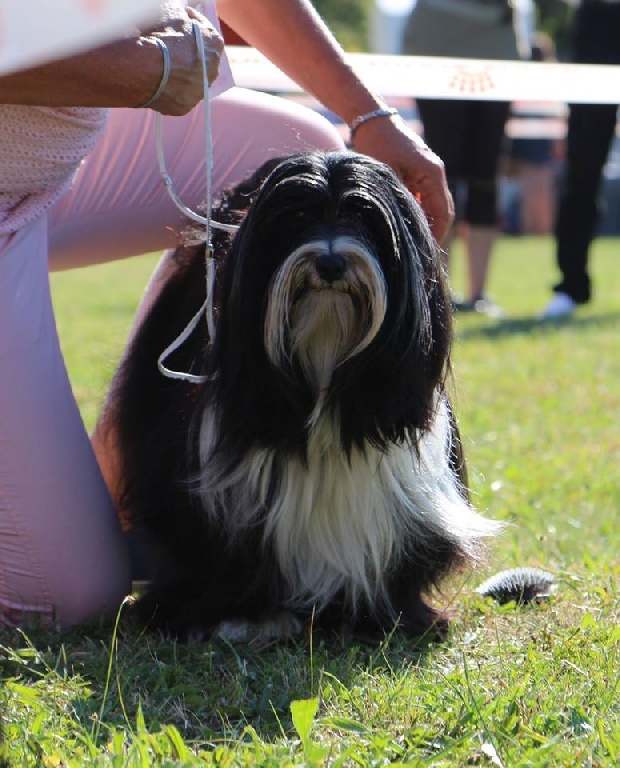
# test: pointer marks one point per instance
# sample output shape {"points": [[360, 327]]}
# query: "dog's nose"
{"points": [[330, 266]]}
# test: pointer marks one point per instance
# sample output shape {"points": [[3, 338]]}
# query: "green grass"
{"points": [[538, 406]]}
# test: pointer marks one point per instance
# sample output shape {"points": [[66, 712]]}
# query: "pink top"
{"points": [[40, 152], [41, 149]]}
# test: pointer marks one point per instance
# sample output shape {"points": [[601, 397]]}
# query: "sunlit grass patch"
{"points": [[536, 686]]}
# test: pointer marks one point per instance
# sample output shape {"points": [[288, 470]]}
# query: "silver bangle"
{"points": [[165, 76], [384, 112]]}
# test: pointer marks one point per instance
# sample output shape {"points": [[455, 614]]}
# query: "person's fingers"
{"points": [[424, 175], [420, 169], [426, 179], [185, 86], [212, 41]]}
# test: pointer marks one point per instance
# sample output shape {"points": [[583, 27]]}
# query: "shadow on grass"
{"points": [[515, 326], [210, 691]]}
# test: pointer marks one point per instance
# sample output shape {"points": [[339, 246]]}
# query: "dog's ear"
{"points": [[406, 365], [264, 403]]}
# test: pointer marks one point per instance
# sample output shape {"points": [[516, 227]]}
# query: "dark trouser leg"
{"points": [[590, 131]]}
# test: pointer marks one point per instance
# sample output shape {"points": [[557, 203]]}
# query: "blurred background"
{"points": [[527, 189]]}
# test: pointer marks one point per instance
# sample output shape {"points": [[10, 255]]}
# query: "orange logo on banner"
{"points": [[466, 81]]}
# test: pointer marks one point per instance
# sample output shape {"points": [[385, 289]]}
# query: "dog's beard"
{"points": [[319, 322]]}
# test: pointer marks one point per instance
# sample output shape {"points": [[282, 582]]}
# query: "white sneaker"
{"points": [[561, 305]]}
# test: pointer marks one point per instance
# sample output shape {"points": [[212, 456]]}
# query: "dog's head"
{"points": [[334, 303]]}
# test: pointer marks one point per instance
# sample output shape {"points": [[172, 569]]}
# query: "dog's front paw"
{"points": [[260, 633]]}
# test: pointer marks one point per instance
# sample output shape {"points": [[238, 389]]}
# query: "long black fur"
{"points": [[206, 573]]}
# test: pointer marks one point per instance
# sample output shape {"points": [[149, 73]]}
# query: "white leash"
{"points": [[206, 221]]}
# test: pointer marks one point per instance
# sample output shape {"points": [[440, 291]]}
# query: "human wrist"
{"points": [[368, 128], [165, 74], [373, 114]]}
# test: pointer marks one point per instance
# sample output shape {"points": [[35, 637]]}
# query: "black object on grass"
{"points": [[518, 585]]}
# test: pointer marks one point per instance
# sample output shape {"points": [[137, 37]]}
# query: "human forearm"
{"points": [[126, 73], [122, 74], [292, 36]]}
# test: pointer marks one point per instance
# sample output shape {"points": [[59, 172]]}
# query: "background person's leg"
{"points": [[62, 556], [443, 122], [590, 131], [485, 125]]}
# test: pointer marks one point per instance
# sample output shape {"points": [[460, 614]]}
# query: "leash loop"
{"points": [[207, 307]]}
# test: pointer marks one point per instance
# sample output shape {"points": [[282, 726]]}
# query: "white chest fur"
{"points": [[338, 522]]}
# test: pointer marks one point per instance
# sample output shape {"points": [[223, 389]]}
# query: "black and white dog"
{"points": [[318, 472]]}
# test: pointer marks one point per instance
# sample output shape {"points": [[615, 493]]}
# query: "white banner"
{"points": [[35, 31], [434, 77]]}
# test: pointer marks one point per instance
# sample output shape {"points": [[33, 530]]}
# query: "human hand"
{"points": [[185, 87], [391, 141]]}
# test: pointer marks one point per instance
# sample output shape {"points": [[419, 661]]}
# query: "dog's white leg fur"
{"points": [[280, 627]]}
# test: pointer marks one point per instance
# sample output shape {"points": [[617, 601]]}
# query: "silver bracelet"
{"points": [[384, 112], [165, 76]]}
